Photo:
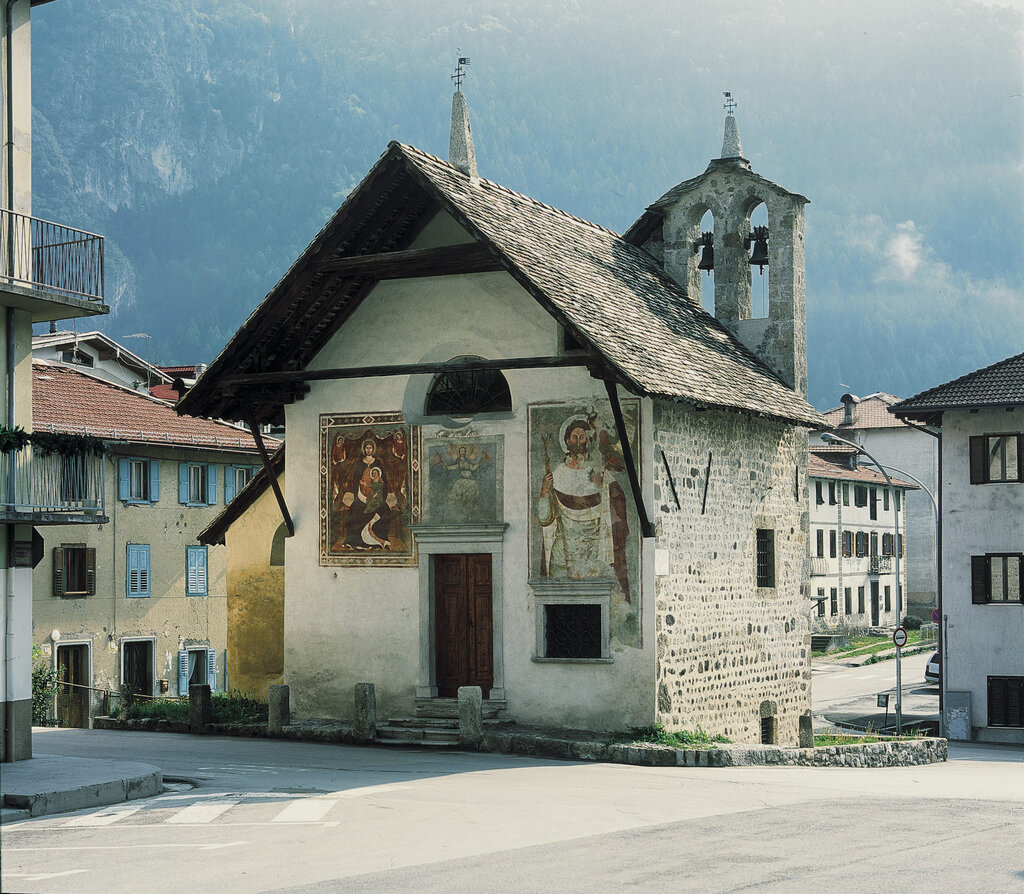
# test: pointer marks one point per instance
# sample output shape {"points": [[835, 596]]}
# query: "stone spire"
{"points": [[460, 145], [731, 142]]}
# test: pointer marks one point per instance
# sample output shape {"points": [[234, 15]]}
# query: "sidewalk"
{"points": [[48, 784]]}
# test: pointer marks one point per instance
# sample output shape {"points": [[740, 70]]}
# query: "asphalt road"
{"points": [[268, 815]]}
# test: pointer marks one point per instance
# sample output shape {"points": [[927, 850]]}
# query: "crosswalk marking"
{"points": [[106, 816], [310, 810], [204, 812]]}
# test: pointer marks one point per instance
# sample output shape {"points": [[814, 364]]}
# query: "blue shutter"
{"points": [[123, 479], [211, 485], [195, 571], [183, 672], [154, 481], [211, 669], [229, 484], [182, 482], [137, 578]]}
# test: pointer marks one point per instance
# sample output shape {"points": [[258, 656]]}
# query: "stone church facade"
{"points": [[521, 456]]}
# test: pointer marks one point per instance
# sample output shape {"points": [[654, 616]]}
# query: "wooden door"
{"points": [[463, 629], [874, 604], [72, 691]]}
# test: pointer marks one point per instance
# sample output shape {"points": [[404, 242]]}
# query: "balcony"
{"points": [[38, 487], [881, 565], [820, 567], [39, 255]]}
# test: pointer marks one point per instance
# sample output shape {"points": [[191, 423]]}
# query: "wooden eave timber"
{"points": [[448, 260]]}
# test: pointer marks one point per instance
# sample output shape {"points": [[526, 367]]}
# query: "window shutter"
{"points": [[183, 672], [182, 482], [144, 569], [979, 580], [90, 571], [211, 669], [978, 460], [211, 485], [123, 479], [58, 571], [1020, 578], [195, 571], [229, 484], [154, 481]]}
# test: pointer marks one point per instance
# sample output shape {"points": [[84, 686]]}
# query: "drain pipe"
{"points": [[9, 197]]}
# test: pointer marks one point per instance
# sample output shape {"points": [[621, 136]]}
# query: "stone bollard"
{"points": [[366, 712], [471, 715], [806, 739], [279, 713], [198, 708]]}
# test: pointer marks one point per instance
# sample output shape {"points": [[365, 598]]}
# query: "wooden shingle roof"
{"points": [[611, 294]]}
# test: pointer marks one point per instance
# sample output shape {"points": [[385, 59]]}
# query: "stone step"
{"points": [[425, 722], [417, 735], [449, 707]]}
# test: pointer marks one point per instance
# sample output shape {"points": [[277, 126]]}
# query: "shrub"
{"points": [[44, 684], [911, 622], [658, 735]]}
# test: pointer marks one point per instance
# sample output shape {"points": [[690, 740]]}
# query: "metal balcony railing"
{"points": [[33, 483], [820, 567], [41, 254], [881, 565]]}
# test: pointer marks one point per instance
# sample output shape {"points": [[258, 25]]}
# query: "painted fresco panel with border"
{"points": [[463, 479]]}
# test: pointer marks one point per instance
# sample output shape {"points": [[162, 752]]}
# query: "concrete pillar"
{"points": [[366, 712], [806, 731], [198, 708], [279, 713], [471, 715]]}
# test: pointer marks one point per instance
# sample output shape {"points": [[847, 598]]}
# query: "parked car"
{"points": [[933, 669]]}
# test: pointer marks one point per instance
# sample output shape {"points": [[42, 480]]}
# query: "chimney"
{"points": [[460, 145]]}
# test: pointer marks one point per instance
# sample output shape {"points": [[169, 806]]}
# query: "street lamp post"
{"points": [[830, 438]]}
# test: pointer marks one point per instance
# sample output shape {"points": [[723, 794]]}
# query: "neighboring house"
{"points": [[868, 422], [48, 271], [252, 530], [981, 416], [854, 542], [138, 601], [104, 357], [521, 456]]}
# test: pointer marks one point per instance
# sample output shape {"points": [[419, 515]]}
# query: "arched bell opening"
{"points": [[704, 248], [756, 245]]}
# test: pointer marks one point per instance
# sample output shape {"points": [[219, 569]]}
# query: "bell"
{"points": [[707, 252], [759, 255]]}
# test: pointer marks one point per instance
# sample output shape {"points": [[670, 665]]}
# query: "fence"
{"points": [[42, 254]]}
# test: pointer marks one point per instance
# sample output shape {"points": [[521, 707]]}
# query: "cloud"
{"points": [[896, 253]]}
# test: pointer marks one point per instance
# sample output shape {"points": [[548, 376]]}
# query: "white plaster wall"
{"points": [[853, 571], [347, 625], [982, 640]]}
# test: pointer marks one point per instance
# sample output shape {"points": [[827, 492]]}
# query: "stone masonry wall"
{"points": [[729, 653]]}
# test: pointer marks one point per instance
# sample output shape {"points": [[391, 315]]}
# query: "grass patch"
{"points": [[229, 707], [656, 734], [870, 645], [824, 740]]}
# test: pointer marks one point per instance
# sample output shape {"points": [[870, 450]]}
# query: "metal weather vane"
{"points": [[730, 103], [460, 72]]}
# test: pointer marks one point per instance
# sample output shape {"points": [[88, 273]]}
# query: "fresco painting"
{"points": [[463, 480], [369, 489], [585, 525]]}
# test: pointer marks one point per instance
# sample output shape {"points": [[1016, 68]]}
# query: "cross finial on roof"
{"points": [[460, 72], [730, 103]]}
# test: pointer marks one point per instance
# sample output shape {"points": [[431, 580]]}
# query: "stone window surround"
{"points": [[572, 592], [434, 540], [120, 662]]}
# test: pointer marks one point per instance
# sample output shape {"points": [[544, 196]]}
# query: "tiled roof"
{"points": [[67, 400], [164, 392], [871, 411], [835, 468], [619, 297], [613, 293], [998, 385]]}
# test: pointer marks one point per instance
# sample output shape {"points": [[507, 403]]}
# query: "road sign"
{"points": [[935, 616], [883, 700], [899, 637]]}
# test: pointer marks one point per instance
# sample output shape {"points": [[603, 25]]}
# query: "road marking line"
{"points": [[310, 810], [370, 790], [206, 812], [120, 847], [39, 878], [104, 817]]}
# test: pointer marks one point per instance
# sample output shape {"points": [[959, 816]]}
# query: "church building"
{"points": [[522, 456]]}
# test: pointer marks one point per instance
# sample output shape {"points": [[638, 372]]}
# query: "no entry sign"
{"points": [[899, 637]]}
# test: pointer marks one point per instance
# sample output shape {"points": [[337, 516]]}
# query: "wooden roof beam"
{"points": [[446, 260]]}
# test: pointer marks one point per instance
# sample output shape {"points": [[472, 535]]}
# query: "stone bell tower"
{"points": [[730, 190]]}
